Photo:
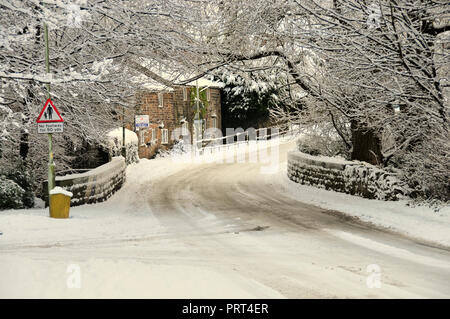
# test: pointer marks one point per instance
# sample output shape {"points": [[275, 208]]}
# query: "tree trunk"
{"points": [[366, 144]]}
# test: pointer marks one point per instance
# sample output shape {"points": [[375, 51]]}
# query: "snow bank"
{"points": [[122, 278], [112, 242], [11, 194], [420, 222], [109, 243], [123, 216]]}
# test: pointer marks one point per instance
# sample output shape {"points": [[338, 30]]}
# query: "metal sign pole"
{"points": [[51, 164], [124, 150], [198, 127]]}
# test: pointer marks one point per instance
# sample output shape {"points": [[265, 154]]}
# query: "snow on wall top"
{"points": [[115, 162], [326, 159]]}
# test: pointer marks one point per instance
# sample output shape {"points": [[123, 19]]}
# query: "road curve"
{"points": [[208, 230], [234, 220]]}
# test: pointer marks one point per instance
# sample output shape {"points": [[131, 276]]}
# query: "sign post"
{"points": [[51, 164], [49, 122]]}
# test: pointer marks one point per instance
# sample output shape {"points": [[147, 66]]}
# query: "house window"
{"points": [[160, 99], [184, 128], [164, 136], [185, 94], [154, 135], [141, 137], [208, 94]]}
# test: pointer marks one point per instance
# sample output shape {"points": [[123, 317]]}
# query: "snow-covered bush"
{"points": [[24, 180], [246, 98], [178, 148], [16, 189], [11, 194], [115, 143], [430, 174], [322, 140]]}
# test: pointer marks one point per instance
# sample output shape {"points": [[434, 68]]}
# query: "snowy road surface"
{"points": [[208, 230]]}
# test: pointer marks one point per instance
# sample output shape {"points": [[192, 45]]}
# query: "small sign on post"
{"points": [[50, 127], [49, 120]]}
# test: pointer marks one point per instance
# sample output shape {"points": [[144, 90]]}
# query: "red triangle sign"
{"points": [[49, 114]]}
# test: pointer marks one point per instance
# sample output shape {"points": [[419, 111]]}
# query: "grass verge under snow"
{"points": [[420, 222]]}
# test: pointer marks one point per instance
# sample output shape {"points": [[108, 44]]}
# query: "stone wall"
{"points": [[96, 185], [351, 177]]}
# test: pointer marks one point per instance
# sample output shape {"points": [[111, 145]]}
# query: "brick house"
{"points": [[171, 108]]}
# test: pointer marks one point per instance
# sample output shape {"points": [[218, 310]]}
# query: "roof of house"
{"points": [[205, 82], [147, 83]]}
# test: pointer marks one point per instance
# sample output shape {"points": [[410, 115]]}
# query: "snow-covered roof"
{"points": [[147, 83], [152, 85], [205, 82]]}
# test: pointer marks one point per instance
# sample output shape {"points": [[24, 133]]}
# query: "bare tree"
{"points": [[377, 69], [90, 79]]}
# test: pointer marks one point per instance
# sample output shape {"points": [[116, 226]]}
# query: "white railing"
{"points": [[213, 145]]}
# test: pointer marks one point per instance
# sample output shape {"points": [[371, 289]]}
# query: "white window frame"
{"points": [[208, 94], [153, 135], [214, 122], [185, 94], [164, 136], [142, 137], [185, 128], [160, 99]]}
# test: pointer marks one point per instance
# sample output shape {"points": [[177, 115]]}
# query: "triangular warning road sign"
{"points": [[49, 114]]}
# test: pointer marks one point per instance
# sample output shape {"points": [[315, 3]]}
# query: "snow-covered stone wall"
{"points": [[351, 177], [96, 185]]}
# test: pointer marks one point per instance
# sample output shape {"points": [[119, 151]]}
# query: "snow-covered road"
{"points": [[208, 230]]}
